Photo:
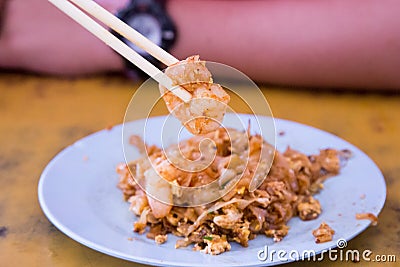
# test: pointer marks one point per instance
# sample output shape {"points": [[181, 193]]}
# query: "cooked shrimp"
{"points": [[158, 193], [206, 110]]}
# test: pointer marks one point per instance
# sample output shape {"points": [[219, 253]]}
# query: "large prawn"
{"points": [[205, 111]]}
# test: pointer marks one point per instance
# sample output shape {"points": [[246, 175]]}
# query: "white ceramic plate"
{"points": [[78, 193]]}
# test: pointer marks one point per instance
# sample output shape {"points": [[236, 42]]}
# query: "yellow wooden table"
{"points": [[41, 115]]}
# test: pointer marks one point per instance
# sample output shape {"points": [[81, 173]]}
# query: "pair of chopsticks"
{"points": [[71, 9]]}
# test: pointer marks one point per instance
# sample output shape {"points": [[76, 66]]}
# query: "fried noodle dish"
{"points": [[286, 182], [240, 215]]}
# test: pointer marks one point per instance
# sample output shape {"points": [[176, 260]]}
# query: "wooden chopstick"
{"points": [[97, 11], [103, 34]]}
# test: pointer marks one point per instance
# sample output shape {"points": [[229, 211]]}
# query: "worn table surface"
{"points": [[42, 115]]}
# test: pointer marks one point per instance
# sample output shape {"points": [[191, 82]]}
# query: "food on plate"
{"points": [[205, 111], [160, 239], [367, 216], [323, 233], [239, 215]]}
